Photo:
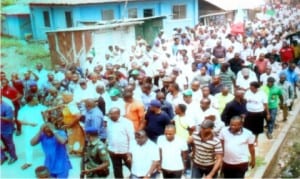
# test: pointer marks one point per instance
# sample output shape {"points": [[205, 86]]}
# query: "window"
{"points": [[148, 12], [108, 15], [179, 11], [46, 19], [69, 20], [132, 13]]}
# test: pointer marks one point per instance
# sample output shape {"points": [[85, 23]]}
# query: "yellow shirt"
{"points": [[182, 123], [223, 100]]}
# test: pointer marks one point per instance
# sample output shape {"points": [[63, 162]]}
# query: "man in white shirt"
{"points": [[173, 153], [120, 137], [207, 112], [244, 78], [237, 143], [41, 72], [197, 92], [144, 166], [263, 77]]}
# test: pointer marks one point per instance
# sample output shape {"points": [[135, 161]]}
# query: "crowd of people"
{"points": [[194, 103]]}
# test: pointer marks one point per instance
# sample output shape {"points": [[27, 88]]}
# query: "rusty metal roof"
{"points": [[97, 27], [74, 2]]}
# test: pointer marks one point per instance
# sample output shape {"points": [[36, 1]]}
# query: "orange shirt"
{"points": [[135, 112]]}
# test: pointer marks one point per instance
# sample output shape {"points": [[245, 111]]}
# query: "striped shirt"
{"points": [[205, 151]]}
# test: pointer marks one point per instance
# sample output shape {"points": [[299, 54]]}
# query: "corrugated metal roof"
{"points": [[97, 27], [229, 5], [73, 2], [17, 9], [107, 25]]}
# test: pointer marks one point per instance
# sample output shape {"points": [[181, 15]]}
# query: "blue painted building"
{"points": [[15, 21], [47, 15]]}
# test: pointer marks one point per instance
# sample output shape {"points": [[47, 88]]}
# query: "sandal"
{"points": [[25, 166]]}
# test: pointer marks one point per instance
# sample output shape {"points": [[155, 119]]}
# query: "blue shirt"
{"points": [[156, 124], [168, 108], [94, 119], [7, 112], [291, 76], [210, 69], [56, 156]]}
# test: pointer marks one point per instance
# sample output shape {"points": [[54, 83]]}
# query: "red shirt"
{"points": [[287, 54], [9, 92], [18, 85]]}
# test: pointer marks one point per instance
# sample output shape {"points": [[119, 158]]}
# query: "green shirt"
{"points": [[273, 94], [95, 156]]}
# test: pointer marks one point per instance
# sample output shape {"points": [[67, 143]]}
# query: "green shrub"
{"points": [[34, 51], [10, 42]]}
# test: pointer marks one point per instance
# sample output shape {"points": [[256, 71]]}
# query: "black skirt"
{"points": [[255, 122]]}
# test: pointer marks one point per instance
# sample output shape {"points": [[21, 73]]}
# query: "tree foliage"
{"points": [[7, 2]]}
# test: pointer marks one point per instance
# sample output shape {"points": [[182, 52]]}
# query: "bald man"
{"points": [[120, 137], [236, 107], [144, 165], [94, 118]]}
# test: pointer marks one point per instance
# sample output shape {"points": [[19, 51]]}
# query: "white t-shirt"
{"points": [[236, 145], [171, 152], [264, 77], [255, 101], [143, 156], [245, 83], [32, 114]]}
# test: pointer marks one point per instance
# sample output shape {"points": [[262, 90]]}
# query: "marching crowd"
{"points": [[194, 103]]}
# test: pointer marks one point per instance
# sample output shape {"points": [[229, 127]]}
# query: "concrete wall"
{"points": [[37, 20], [191, 16], [154, 5], [10, 26], [122, 36], [93, 13], [25, 26]]}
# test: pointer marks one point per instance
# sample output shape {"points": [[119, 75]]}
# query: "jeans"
{"points": [[199, 171], [271, 122], [117, 160], [234, 171], [7, 140], [172, 174], [153, 176]]}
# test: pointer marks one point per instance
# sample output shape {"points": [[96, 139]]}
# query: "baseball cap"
{"points": [[155, 103], [135, 72], [187, 93], [114, 92]]}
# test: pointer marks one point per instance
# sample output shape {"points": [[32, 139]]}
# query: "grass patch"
{"points": [[260, 161], [10, 42], [30, 52], [34, 51]]}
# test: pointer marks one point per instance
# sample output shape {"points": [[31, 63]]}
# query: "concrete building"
{"points": [[16, 22], [49, 15]]}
